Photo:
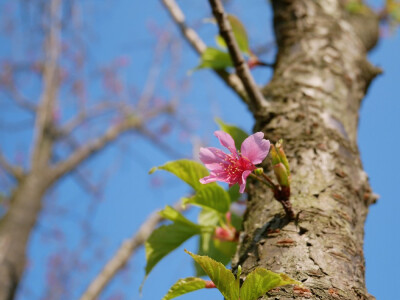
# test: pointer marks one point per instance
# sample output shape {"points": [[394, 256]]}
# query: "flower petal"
{"points": [[226, 140], [245, 174], [212, 158], [255, 148]]}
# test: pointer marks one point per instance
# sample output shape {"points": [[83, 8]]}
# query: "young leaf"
{"points": [[214, 59], [184, 286], [165, 239], [239, 31], [187, 170], [238, 134], [223, 279], [171, 214], [260, 281], [210, 196], [209, 217]]}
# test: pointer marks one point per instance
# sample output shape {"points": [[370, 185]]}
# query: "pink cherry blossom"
{"points": [[234, 167]]}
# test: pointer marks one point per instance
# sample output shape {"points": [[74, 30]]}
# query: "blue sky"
{"points": [[122, 28]]}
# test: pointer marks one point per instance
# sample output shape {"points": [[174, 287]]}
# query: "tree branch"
{"points": [[85, 115], [199, 46], [123, 254], [43, 142], [256, 99], [81, 154], [14, 171]]}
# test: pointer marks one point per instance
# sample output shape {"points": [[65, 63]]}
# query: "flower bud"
{"points": [[281, 175], [225, 233], [259, 171]]}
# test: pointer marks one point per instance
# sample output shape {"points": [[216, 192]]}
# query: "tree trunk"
{"points": [[15, 228], [320, 77]]}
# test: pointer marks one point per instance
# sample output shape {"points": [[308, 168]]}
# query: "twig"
{"points": [[123, 254], [232, 80], [256, 99]]}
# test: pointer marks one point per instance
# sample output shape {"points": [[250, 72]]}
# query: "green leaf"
{"points": [[187, 170], [217, 251], [239, 31], [165, 239], [209, 217], [210, 196], [238, 134], [226, 248], [234, 193], [213, 58], [221, 251], [237, 221], [223, 279], [260, 281], [172, 214], [184, 286]]}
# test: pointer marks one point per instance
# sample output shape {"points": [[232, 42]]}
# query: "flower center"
{"points": [[235, 166]]}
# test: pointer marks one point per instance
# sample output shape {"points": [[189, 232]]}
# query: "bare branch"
{"points": [[21, 101], [81, 154], [14, 171], [153, 73], [199, 46], [146, 133], [44, 118], [123, 254], [256, 99], [85, 115]]}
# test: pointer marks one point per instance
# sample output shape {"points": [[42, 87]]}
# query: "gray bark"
{"points": [[320, 78]]}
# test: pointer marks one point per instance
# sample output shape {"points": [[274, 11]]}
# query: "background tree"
{"points": [[301, 120]]}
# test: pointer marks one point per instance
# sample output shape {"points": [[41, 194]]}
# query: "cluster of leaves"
{"points": [[257, 283], [214, 202], [214, 58]]}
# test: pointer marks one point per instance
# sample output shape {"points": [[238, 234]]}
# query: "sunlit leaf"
{"points": [[214, 59], [184, 286], [172, 214], [187, 170], [165, 239], [260, 281], [223, 278], [239, 31], [212, 197]]}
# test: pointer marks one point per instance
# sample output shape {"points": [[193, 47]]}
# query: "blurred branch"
{"points": [[43, 142], [156, 140], [14, 171], [153, 73], [256, 99], [85, 115], [94, 146], [123, 254], [199, 46], [21, 101]]}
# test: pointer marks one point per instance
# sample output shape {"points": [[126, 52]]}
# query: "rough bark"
{"points": [[320, 78]]}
